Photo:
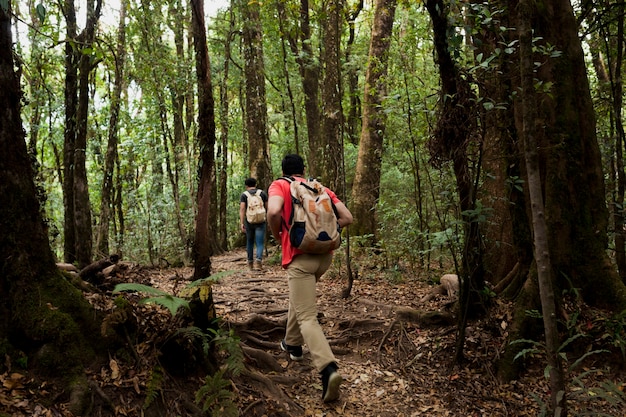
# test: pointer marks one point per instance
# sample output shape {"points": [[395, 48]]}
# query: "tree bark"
{"points": [[82, 206], [203, 245], [102, 241], [283, 18], [332, 171], [366, 187], [223, 150], [256, 106], [539, 227], [309, 74], [354, 109], [39, 310], [69, 143], [572, 180]]}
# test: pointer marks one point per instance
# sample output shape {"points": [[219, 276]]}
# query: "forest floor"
{"points": [[392, 366]]}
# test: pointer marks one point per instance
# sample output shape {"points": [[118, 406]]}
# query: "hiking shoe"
{"points": [[331, 380], [295, 352]]}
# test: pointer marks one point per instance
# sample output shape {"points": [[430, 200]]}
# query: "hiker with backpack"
{"points": [[306, 218], [252, 216]]}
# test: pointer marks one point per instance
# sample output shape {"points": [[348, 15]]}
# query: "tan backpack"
{"points": [[313, 226], [255, 213]]}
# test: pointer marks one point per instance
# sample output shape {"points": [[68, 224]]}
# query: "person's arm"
{"points": [[242, 216], [274, 215], [344, 216]]}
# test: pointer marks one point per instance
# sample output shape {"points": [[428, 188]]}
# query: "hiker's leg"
{"points": [[259, 234], [302, 274], [250, 242]]}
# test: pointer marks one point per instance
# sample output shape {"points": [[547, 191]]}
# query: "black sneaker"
{"points": [[331, 380], [295, 352]]}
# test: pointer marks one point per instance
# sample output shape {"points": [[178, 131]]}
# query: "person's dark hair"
{"points": [[293, 164], [250, 182]]}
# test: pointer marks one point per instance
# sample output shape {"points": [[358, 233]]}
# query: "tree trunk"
{"points": [[450, 142], [366, 187], [354, 109], [282, 19], [111, 152], [203, 244], [572, 180], [256, 106], [310, 84], [539, 227], [332, 172], [40, 312], [82, 206], [69, 143], [223, 151], [178, 143]]}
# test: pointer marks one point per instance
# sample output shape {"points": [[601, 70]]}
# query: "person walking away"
{"points": [[252, 216], [303, 271]]}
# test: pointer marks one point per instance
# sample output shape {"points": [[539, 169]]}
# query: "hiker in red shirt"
{"points": [[303, 271]]}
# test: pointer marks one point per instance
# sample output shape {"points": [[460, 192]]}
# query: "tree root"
{"points": [[271, 391], [261, 359]]}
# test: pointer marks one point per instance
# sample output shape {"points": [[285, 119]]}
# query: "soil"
{"points": [[394, 361]]}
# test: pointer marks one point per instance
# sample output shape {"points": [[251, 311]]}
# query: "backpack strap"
{"points": [[289, 179]]}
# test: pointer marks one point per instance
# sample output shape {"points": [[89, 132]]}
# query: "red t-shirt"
{"points": [[282, 188]]}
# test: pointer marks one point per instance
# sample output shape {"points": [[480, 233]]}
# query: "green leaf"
{"points": [[168, 301], [5, 5], [138, 288], [41, 12]]}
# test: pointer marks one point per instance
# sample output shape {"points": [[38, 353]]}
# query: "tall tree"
{"points": [[450, 141], [572, 178], [223, 149], [352, 75], [78, 66], [366, 187], [605, 33], [256, 105], [38, 307], [537, 209], [82, 206], [204, 245], [332, 113], [106, 195], [69, 144]]}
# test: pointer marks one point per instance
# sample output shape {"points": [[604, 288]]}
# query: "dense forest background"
{"points": [[481, 138], [142, 96]]}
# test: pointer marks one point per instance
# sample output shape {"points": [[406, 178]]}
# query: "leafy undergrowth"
{"points": [[391, 367]]}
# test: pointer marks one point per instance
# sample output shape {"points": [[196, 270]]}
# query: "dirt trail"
{"points": [[390, 368]]}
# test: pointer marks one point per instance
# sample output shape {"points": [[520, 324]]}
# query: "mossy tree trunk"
{"points": [[256, 104], [41, 314], [366, 187], [204, 245], [572, 179]]}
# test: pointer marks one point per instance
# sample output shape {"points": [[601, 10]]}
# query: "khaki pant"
{"points": [[302, 325]]}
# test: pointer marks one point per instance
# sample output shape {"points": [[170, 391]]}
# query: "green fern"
{"points": [[169, 301], [163, 298], [230, 343], [215, 397], [214, 394], [154, 386]]}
